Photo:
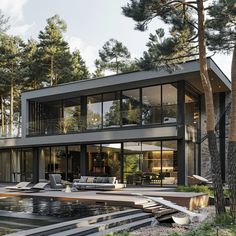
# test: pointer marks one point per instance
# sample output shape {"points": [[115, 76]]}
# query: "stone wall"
{"points": [[205, 156]]}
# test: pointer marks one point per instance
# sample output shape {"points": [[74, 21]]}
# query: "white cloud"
{"points": [[88, 52], [21, 29], [13, 8]]}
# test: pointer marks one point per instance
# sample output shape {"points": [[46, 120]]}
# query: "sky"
{"points": [[90, 23]]}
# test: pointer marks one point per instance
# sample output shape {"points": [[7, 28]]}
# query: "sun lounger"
{"points": [[18, 186], [201, 180], [36, 188]]}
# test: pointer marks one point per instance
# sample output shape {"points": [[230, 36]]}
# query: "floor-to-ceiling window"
{"points": [[5, 166], [73, 167], [152, 162], [169, 103], [71, 116], [192, 126], [151, 105], [131, 107], [94, 112], [104, 160], [27, 164], [111, 110], [15, 165]]}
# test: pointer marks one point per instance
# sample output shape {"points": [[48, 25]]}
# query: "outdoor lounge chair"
{"points": [[36, 188], [201, 180], [55, 181], [18, 186]]}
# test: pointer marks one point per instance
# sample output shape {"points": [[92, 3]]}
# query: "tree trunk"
{"points": [[210, 114], [3, 115], [52, 72], [232, 141], [11, 107]]}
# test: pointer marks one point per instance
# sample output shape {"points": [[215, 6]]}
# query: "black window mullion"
{"points": [[141, 106], [121, 109]]}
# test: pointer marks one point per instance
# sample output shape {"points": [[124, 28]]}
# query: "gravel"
{"points": [[164, 229]]}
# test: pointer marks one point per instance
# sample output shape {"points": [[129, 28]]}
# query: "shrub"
{"points": [[195, 188]]}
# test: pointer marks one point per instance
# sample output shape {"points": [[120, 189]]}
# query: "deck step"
{"points": [[126, 227], [124, 220], [67, 225]]}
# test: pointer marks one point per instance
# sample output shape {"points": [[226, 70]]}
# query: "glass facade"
{"points": [[104, 160], [169, 103], [153, 162], [94, 112], [151, 107], [127, 108], [131, 107], [64, 160], [133, 162], [111, 110]]}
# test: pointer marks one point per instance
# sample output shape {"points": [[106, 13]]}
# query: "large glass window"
{"points": [[5, 160], [169, 103], [73, 162], [27, 164], [15, 165], [94, 112], [152, 162], [131, 107], [111, 110], [151, 108], [169, 162], [71, 115], [104, 159]]}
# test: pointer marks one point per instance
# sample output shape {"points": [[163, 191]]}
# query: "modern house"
{"points": [[151, 122]]}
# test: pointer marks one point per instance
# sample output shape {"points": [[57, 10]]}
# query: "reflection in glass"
{"points": [[71, 116], [15, 165], [169, 162], [5, 157], [169, 103], [104, 159], [44, 163], [132, 159], [151, 107], [131, 107], [94, 112], [73, 162], [58, 162], [27, 165], [111, 110]]}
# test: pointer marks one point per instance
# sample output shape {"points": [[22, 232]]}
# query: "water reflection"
{"points": [[17, 213]]}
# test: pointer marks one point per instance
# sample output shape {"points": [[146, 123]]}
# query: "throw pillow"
{"points": [[83, 179], [90, 179]]}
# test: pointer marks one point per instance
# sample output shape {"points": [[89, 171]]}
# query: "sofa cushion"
{"points": [[83, 179], [105, 180], [99, 179], [112, 180], [90, 179]]}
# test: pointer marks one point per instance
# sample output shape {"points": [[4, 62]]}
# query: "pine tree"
{"points": [[53, 52], [11, 73], [79, 69], [187, 28], [221, 37], [113, 56]]}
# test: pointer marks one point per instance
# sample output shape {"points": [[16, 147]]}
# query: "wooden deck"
{"points": [[130, 197]]}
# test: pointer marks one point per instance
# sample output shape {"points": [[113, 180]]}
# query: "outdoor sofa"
{"points": [[97, 183]]}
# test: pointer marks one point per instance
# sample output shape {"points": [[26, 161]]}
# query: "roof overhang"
{"points": [[189, 71]]}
